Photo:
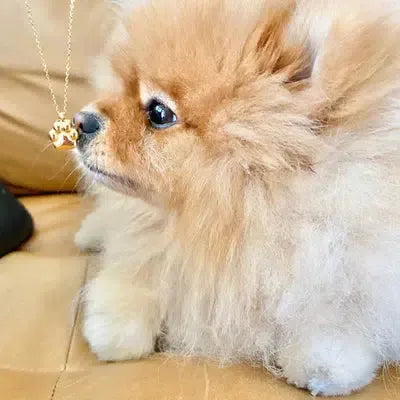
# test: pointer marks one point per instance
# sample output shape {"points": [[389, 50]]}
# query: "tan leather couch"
{"points": [[42, 353]]}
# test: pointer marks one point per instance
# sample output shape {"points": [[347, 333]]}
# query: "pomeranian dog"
{"points": [[245, 156]]}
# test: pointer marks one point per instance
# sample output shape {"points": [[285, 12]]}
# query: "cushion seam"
{"points": [[73, 331]]}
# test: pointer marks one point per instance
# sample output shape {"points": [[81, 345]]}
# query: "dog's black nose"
{"points": [[88, 125]]}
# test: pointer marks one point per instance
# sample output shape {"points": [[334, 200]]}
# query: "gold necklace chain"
{"points": [[43, 60], [63, 134]]}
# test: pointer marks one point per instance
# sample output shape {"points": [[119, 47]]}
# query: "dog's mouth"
{"points": [[97, 171], [113, 180]]}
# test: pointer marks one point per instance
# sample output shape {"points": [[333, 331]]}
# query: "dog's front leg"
{"points": [[122, 306]]}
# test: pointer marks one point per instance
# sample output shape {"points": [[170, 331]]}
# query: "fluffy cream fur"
{"points": [[265, 226]]}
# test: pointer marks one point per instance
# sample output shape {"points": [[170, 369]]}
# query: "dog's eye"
{"points": [[159, 115]]}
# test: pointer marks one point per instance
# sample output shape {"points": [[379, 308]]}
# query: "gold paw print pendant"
{"points": [[63, 134]]}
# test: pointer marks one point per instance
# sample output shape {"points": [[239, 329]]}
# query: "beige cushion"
{"points": [[43, 355], [26, 110]]}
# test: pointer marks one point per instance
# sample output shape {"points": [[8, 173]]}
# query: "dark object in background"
{"points": [[16, 224]]}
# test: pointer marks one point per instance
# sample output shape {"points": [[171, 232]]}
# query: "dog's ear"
{"points": [[276, 49]]}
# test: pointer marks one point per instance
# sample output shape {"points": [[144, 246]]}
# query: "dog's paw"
{"points": [[113, 339], [329, 367], [121, 321]]}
